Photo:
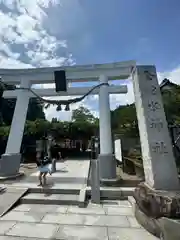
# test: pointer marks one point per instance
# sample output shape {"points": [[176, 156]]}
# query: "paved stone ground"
{"points": [[109, 221], [71, 173]]}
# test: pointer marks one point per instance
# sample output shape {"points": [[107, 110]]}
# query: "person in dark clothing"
{"points": [[43, 163], [55, 155]]}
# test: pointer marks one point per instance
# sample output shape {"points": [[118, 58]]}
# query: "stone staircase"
{"points": [[72, 196], [51, 199], [54, 196]]}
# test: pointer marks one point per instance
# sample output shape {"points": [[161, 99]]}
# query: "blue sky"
{"points": [[56, 32], [144, 30]]}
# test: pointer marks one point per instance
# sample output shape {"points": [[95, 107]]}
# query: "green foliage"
{"points": [[4, 131], [35, 110], [73, 130], [84, 124], [83, 114], [36, 128], [7, 110], [124, 121], [171, 99]]}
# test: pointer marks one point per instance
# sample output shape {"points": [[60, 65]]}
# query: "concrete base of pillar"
{"points": [[9, 165], [107, 167], [12, 177]]}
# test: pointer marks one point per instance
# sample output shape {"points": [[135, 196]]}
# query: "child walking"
{"points": [[43, 164]]}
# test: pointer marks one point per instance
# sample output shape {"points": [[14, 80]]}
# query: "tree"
{"points": [[7, 110], [35, 110], [171, 100], [82, 114], [38, 128], [124, 120]]}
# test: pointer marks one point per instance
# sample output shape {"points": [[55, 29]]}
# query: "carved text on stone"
{"points": [[156, 124], [153, 90], [159, 147], [149, 76], [154, 105]]}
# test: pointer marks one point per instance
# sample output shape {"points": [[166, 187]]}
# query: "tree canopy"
{"points": [[35, 110], [83, 114], [84, 124]]}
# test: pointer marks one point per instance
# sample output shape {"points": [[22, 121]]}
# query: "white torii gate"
{"points": [[98, 72], [157, 153]]}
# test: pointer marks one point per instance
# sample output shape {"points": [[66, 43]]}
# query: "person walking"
{"points": [[43, 163]]}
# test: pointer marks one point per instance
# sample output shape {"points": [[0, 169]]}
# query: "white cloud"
{"points": [[37, 33], [25, 40], [22, 28], [173, 75], [8, 62]]}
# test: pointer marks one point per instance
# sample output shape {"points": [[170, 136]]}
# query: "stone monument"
{"points": [[159, 195]]}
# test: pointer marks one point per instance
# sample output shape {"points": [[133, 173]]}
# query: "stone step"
{"points": [[50, 199], [113, 193], [55, 190], [51, 188]]}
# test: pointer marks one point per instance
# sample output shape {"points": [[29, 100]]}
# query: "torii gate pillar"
{"points": [[106, 158], [10, 161]]}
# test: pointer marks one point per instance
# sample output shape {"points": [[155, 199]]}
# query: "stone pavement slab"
{"points": [[87, 220], [65, 219], [22, 208], [126, 211], [39, 209], [23, 216], [5, 226], [38, 222], [133, 222], [91, 209], [33, 230], [129, 234], [116, 203], [82, 233], [15, 238], [105, 221]]}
